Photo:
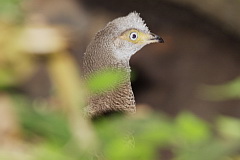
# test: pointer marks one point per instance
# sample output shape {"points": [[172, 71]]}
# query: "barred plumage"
{"points": [[112, 47]]}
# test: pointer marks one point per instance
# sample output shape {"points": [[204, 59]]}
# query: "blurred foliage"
{"points": [[143, 136], [15, 66], [10, 10], [229, 90], [54, 127], [105, 80]]}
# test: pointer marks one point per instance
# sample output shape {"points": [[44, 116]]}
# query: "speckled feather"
{"points": [[106, 51]]}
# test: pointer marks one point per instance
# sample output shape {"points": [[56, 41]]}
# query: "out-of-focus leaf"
{"points": [[50, 152], [45, 124], [10, 9], [15, 155], [134, 138], [191, 129], [138, 137], [222, 92], [211, 150], [229, 127], [105, 80], [6, 78]]}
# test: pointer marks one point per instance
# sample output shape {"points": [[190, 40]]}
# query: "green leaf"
{"points": [[7, 78], [105, 80], [191, 129], [230, 90], [35, 122], [229, 127]]}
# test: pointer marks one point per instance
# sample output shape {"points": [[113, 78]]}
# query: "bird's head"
{"points": [[126, 35]]}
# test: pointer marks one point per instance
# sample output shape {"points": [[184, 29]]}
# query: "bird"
{"points": [[112, 47]]}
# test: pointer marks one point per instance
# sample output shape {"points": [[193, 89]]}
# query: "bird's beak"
{"points": [[153, 38]]}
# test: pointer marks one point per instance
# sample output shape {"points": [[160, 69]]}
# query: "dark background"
{"points": [[201, 47]]}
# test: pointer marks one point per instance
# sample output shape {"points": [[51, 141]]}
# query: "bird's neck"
{"points": [[111, 62], [119, 99]]}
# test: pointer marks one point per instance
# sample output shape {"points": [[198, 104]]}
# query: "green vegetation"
{"points": [[53, 128], [143, 136]]}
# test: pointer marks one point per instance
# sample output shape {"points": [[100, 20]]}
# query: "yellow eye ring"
{"points": [[133, 36]]}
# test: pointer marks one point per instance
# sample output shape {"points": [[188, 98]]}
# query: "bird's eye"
{"points": [[133, 36]]}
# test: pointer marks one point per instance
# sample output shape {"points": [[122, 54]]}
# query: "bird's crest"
{"points": [[137, 19], [132, 20]]}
